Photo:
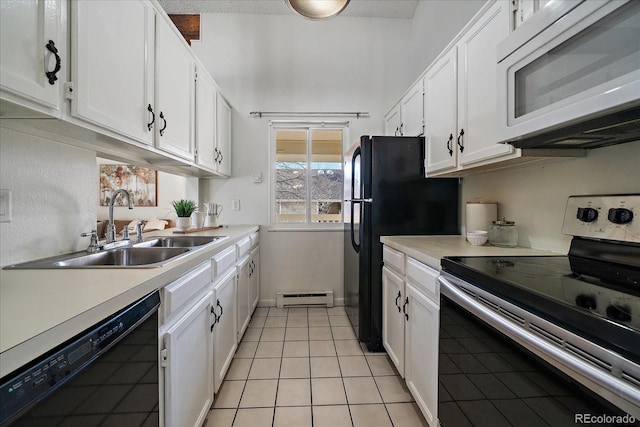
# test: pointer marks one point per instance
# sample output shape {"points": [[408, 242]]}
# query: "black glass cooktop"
{"points": [[566, 291]]}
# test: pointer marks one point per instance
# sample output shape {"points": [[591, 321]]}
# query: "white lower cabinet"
{"points": [[254, 278], [244, 305], [224, 331], [186, 352], [410, 322]]}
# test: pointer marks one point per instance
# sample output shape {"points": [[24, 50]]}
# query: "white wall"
{"points": [[54, 197], [170, 187], [535, 197], [285, 63], [435, 23]]}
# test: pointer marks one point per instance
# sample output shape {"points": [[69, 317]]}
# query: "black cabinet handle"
{"points": [[461, 144], [397, 298], [401, 129], [215, 318], [215, 150], [221, 311], [51, 75], [221, 157], [404, 308], [396, 132], [449, 141], [153, 117], [165, 123]]}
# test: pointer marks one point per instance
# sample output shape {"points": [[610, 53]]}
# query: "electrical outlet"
{"points": [[235, 205], [5, 206]]}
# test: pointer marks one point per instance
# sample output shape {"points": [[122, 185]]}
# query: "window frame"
{"points": [[275, 125]]}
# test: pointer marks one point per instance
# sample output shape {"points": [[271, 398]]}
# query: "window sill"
{"points": [[307, 228]]}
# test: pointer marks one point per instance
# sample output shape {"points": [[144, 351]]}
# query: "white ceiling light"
{"points": [[317, 9]]}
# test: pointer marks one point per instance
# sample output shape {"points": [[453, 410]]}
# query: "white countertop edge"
{"points": [[431, 249]]}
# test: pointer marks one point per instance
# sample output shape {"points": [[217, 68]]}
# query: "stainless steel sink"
{"points": [[179, 241], [129, 257]]}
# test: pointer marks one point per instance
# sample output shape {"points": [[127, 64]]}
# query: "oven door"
{"points": [[578, 68], [497, 360]]}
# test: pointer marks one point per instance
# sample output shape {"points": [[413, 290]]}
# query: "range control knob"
{"points": [[620, 215], [587, 214]]}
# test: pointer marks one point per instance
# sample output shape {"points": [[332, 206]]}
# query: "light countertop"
{"points": [[431, 249], [40, 309]]}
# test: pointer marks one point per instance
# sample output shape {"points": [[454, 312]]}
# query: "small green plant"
{"points": [[184, 208]]}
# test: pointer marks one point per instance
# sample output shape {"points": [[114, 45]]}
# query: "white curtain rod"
{"points": [[356, 114]]}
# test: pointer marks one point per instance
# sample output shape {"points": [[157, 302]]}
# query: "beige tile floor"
{"points": [[304, 367]]}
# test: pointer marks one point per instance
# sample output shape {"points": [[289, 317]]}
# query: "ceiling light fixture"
{"points": [[317, 9]]}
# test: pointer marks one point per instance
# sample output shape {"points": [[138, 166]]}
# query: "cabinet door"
{"points": [[412, 111], [223, 138], [440, 112], [421, 351], [26, 27], [175, 90], [205, 121], [224, 332], [254, 288], [393, 323], [188, 362], [113, 66], [392, 122], [477, 87], [244, 304]]}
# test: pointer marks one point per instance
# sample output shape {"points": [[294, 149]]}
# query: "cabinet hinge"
{"points": [[163, 358], [69, 92]]}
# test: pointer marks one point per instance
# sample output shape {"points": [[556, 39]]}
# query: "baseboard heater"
{"points": [[296, 298]]}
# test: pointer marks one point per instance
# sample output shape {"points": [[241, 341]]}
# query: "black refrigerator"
{"points": [[386, 193]]}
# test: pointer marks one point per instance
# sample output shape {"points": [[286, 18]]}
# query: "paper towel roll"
{"points": [[480, 214]]}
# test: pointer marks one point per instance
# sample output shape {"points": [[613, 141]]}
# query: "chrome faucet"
{"points": [[111, 229]]}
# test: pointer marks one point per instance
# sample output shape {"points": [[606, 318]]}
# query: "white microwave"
{"points": [[570, 76]]}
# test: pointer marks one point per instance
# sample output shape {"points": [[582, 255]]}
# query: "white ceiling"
{"points": [[402, 9]]}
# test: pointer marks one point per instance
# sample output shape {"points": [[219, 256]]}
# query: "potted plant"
{"points": [[184, 209]]}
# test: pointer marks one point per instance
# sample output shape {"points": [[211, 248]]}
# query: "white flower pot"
{"points": [[183, 223]]}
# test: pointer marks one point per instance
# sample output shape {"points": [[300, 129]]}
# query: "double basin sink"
{"points": [[154, 252]]}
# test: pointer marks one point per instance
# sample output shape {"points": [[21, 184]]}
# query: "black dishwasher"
{"points": [[106, 375]]}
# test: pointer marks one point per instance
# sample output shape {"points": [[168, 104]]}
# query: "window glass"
{"points": [[308, 180]]}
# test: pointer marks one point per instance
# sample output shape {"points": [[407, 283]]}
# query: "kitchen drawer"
{"points": [[177, 294], [254, 240], [424, 278], [223, 261], [244, 246], [393, 259]]}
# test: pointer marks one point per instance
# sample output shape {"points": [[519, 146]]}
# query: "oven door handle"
{"points": [[571, 365]]}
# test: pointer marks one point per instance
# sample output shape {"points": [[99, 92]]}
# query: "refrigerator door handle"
{"points": [[360, 200], [357, 152]]}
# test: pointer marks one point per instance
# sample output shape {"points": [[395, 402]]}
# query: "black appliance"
{"points": [[106, 375], [386, 193], [577, 316]]}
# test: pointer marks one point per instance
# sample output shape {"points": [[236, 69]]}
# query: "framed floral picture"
{"points": [[140, 182]]}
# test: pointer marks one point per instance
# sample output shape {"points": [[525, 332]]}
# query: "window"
{"points": [[307, 178]]}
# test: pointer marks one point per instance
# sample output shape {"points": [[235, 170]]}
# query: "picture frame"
{"points": [[140, 182]]}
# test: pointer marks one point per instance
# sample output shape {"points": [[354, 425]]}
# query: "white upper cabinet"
{"points": [[33, 57], [113, 66], [477, 87], [206, 122], [175, 74], [406, 118], [412, 111], [460, 97], [223, 136], [441, 114], [392, 121]]}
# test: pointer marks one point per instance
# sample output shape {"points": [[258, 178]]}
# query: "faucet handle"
{"points": [[93, 244], [139, 226], [125, 233]]}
